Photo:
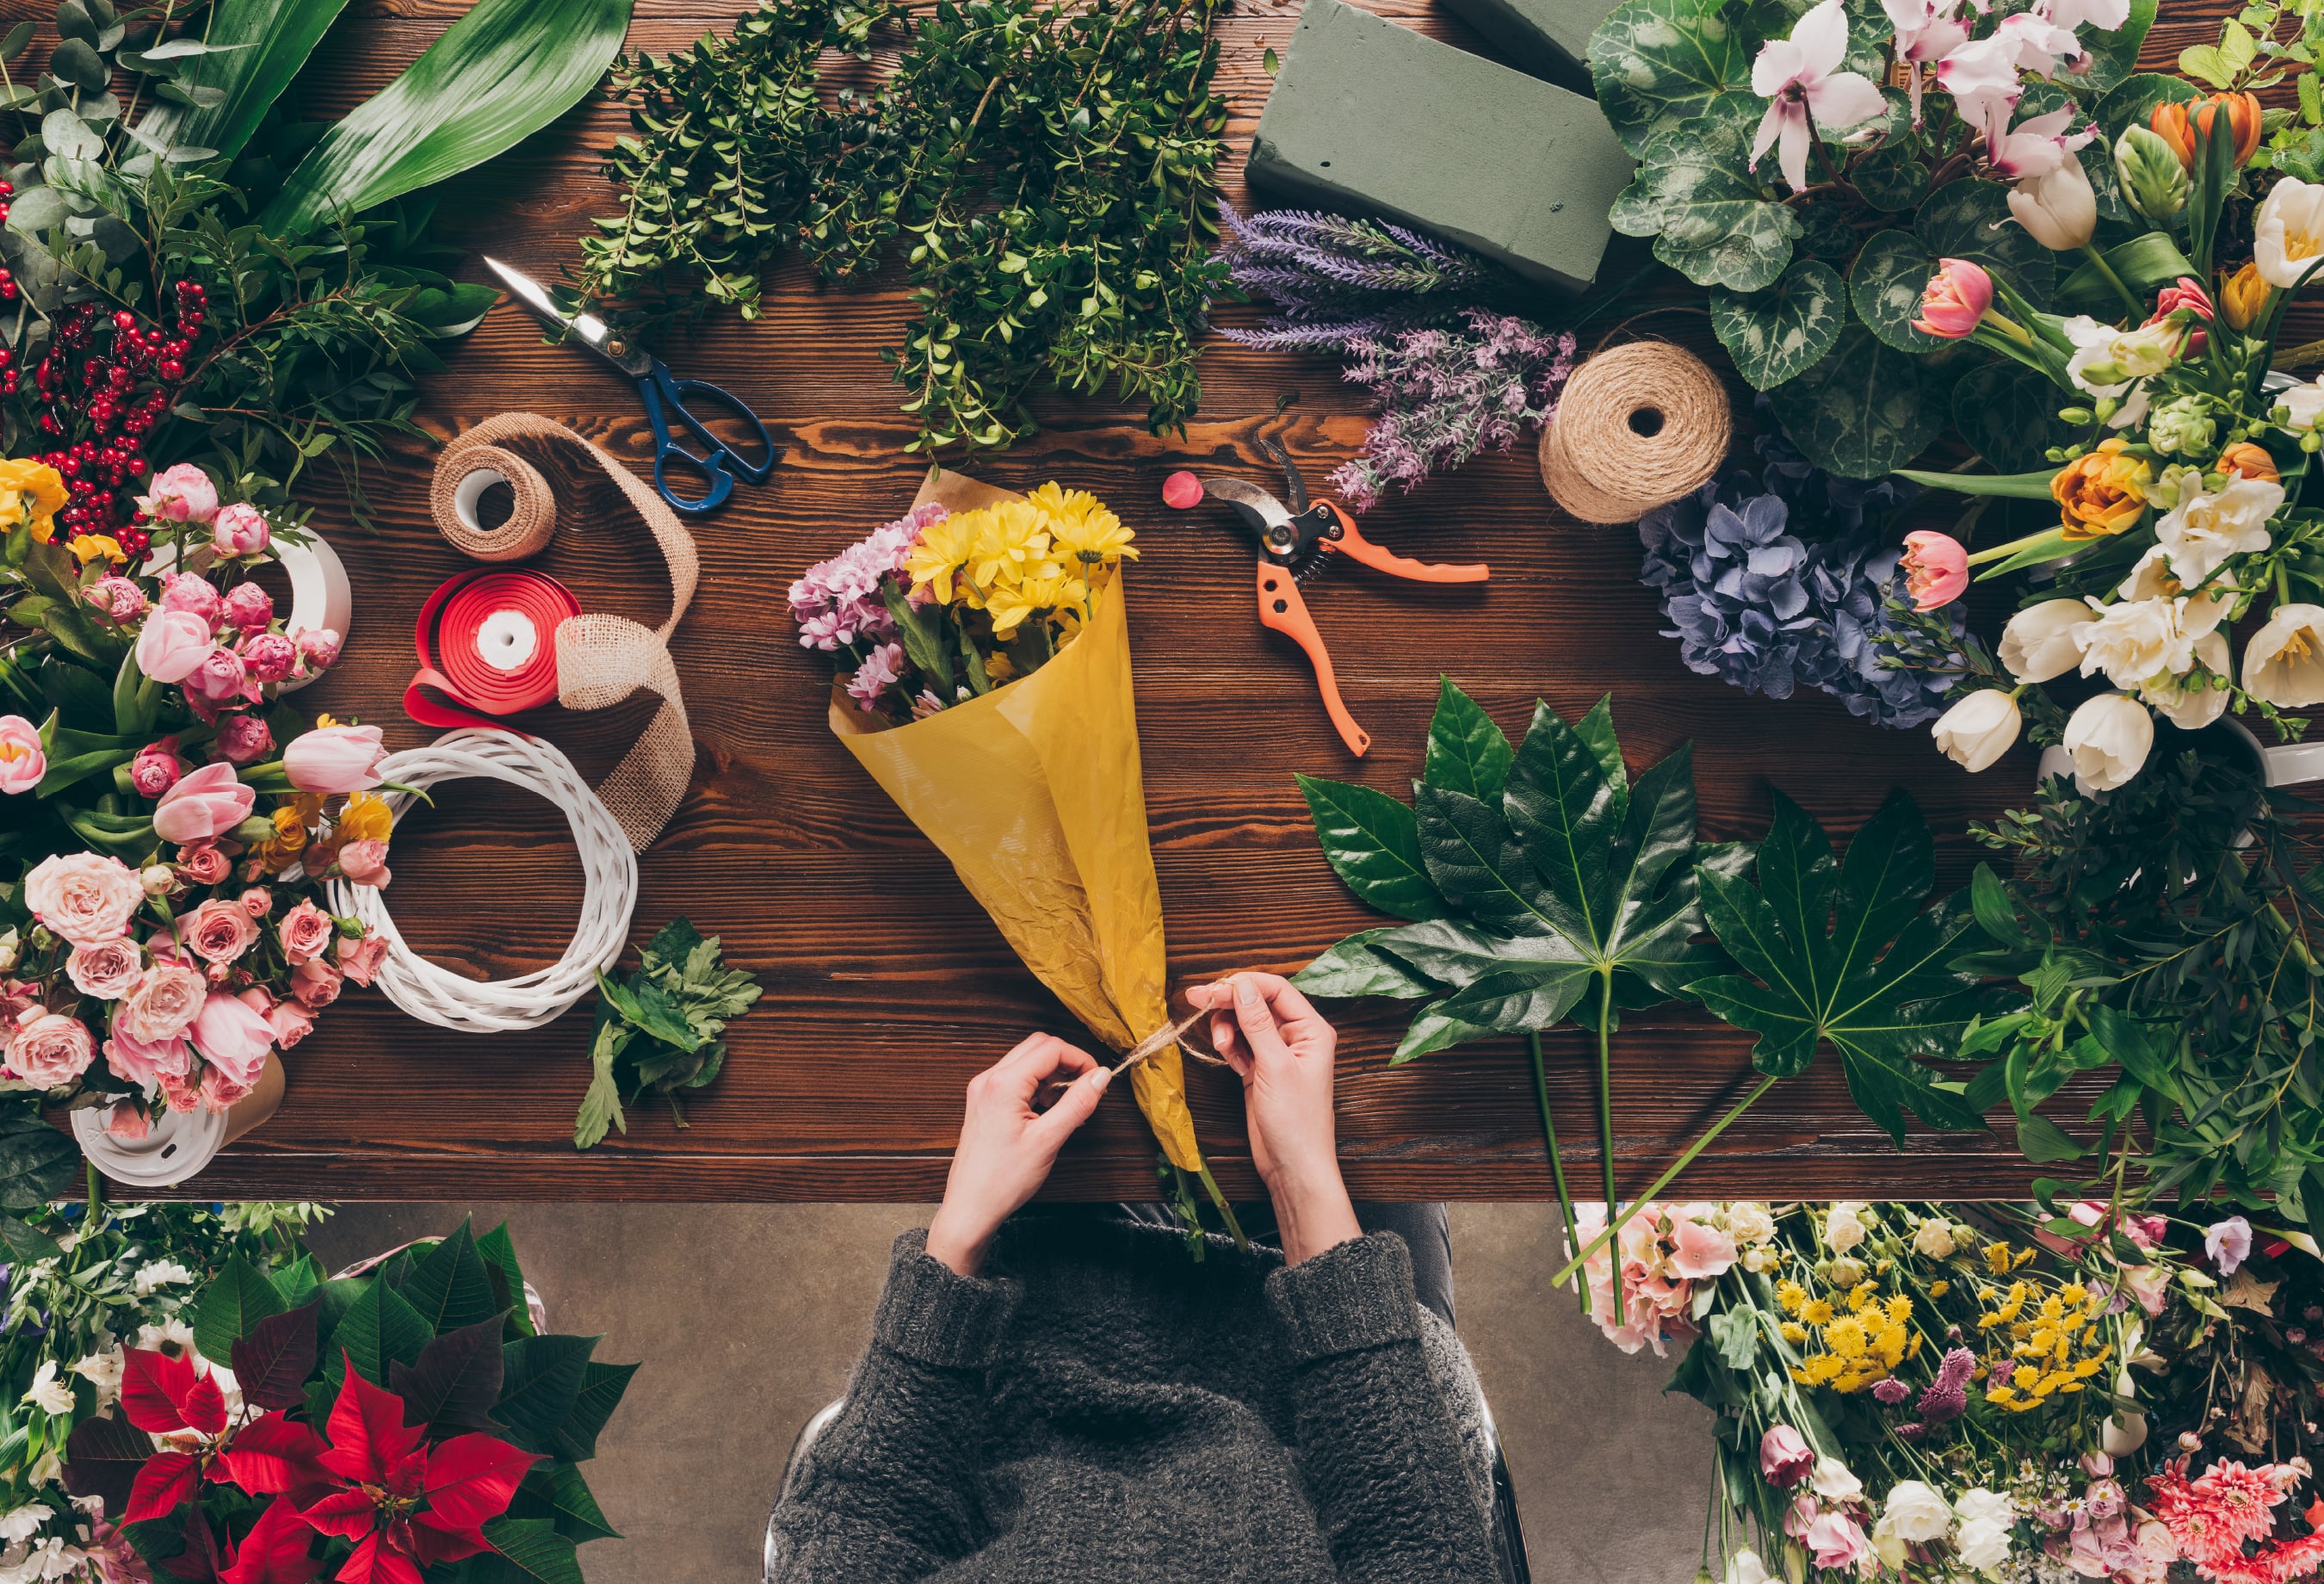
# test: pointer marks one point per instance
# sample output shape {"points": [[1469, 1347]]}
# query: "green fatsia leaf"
{"points": [[1710, 218], [1371, 841], [1867, 409], [1357, 967], [1466, 751], [1658, 62], [2009, 413], [1884, 285], [1970, 219], [1778, 334], [1844, 953]]}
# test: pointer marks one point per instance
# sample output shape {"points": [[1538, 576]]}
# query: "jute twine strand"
{"points": [[600, 660], [1598, 465]]}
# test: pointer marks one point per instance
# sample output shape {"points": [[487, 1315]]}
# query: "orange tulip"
{"points": [[2101, 494], [2170, 122], [2251, 461]]}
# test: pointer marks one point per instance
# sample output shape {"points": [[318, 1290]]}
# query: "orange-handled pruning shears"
{"points": [[1295, 543]]}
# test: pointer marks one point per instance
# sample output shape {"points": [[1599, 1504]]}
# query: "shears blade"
{"points": [[585, 327]]}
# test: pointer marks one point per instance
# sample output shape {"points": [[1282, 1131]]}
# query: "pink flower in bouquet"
{"points": [[218, 931], [181, 1091], [81, 897], [1836, 1541], [182, 493], [2188, 295], [1784, 1458], [219, 1093], [270, 657], [194, 596], [51, 1051], [1700, 1252], [145, 1062], [306, 932], [163, 1005], [118, 598], [360, 960], [257, 901], [1936, 570], [107, 970], [2229, 1244], [203, 806], [202, 863], [290, 1022], [239, 529], [248, 607], [2150, 1285], [318, 649], [880, 671], [233, 1038], [172, 643], [315, 983], [218, 680], [156, 768], [127, 1123], [365, 862], [1954, 299], [1800, 77], [335, 759], [21, 762], [243, 739]]}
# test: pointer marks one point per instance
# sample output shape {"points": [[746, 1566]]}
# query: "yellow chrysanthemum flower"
{"points": [[1937, 1289], [1791, 1295], [1864, 1297], [1794, 1332], [935, 563], [1010, 544], [1845, 1337], [1997, 1258], [1047, 588], [1817, 1311], [1082, 527]]}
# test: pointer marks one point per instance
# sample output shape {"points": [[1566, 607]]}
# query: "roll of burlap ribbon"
{"points": [[1637, 426], [600, 660]]}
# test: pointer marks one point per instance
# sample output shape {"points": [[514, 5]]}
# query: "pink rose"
{"points": [[315, 983], [233, 1038], [220, 1092], [365, 862], [239, 529], [83, 898], [202, 864], [318, 649], [269, 656], [181, 1091], [243, 739], [218, 931], [195, 596], [107, 970], [219, 678], [1785, 1459], [180, 494], [335, 759], [305, 932], [51, 1051], [249, 607], [156, 768], [257, 901], [164, 1003], [21, 762], [127, 1123], [172, 645], [1700, 1252], [290, 1022], [360, 960], [204, 806], [145, 1062], [118, 598], [1836, 1541]]}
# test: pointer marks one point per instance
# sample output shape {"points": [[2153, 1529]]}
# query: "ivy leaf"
{"points": [[1845, 954], [1778, 334], [1867, 409], [1657, 63], [1885, 286]]}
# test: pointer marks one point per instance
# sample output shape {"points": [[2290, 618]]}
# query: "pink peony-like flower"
{"points": [[360, 960], [219, 680], [108, 970], [81, 897], [270, 657], [365, 862], [1836, 1541], [118, 598], [182, 493], [127, 1123], [318, 649], [335, 759], [239, 529], [172, 643], [163, 1005], [1936, 568], [306, 932], [257, 901], [1954, 299], [243, 739], [233, 1038], [202, 864], [144, 1062], [194, 596], [248, 607], [204, 806], [315, 983], [1700, 1252], [218, 931], [23, 762], [290, 1022], [51, 1051], [1785, 1457], [156, 768]]}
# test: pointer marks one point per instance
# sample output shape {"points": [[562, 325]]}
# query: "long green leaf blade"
{"points": [[277, 36]]}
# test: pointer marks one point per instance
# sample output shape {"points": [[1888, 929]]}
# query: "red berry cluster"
{"points": [[9, 289], [112, 394]]}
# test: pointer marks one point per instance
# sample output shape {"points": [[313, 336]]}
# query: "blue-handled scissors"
{"points": [[665, 396]]}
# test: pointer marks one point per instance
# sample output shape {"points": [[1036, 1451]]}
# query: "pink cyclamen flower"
{"points": [[1936, 570], [243, 739], [1927, 31], [239, 529], [1806, 91], [118, 598], [21, 762], [107, 970], [318, 649], [306, 932], [197, 596], [2035, 147], [82, 898], [51, 1051], [360, 960], [156, 768], [1954, 299], [219, 680], [173, 644], [232, 1038], [335, 759], [2229, 1243], [203, 806], [315, 983], [365, 862], [218, 931], [180, 494], [269, 657], [1785, 1457]]}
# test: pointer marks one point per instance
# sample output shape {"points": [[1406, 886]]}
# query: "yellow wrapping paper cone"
{"points": [[1036, 795]]}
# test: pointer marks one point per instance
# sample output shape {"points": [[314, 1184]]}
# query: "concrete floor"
{"points": [[748, 1318]]}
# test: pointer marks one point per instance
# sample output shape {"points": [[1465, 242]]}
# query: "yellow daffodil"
{"points": [[89, 547], [1081, 526]]}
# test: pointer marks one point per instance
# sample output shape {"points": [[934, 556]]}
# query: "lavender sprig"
{"points": [[1334, 280]]}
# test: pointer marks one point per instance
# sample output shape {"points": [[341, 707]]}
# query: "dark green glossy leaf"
{"points": [[531, 1551], [1373, 843], [1711, 219], [1467, 753], [1355, 967], [1780, 333], [2009, 413], [2132, 100], [381, 1328], [1889, 178], [451, 1288], [541, 1381], [1885, 286], [37, 1162], [279, 36], [2114, 56], [1970, 219], [1867, 409], [1657, 63], [602, 1387], [238, 1298]]}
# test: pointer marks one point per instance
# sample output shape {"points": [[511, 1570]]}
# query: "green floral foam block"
{"points": [[1549, 38]]}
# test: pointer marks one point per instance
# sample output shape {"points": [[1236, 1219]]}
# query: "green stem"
{"points": [[95, 1194], [2099, 263], [1556, 1160], [1606, 1111], [1614, 1223], [1226, 1212]]}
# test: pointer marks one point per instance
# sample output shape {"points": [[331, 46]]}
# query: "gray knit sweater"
{"points": [[1101, 1407]]}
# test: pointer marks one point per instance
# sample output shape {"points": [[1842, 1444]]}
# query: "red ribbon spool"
{"points": [[496, 634]]}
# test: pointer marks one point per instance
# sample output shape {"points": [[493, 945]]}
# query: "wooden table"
{"points": [[887, 987]]}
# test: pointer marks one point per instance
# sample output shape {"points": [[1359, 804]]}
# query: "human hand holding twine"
{"points": [[1007, 1147]]}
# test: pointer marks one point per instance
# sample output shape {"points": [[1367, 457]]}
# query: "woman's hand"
{"points": [[1007, 1147], [1282, 1049]]}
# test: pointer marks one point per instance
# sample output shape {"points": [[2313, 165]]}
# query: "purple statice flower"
{"points": [[1445, 396], [1947, 1396], [1891, 1391], [1334, 280], [839, 602]]}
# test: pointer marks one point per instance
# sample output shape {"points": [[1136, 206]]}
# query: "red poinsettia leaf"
{"points": [[157, 1390], [471, 1478], [273, 1454], [376, 1562], [368, 1435], [167, 1479], [347, 1514], [274, 1551], [272, 1363]]}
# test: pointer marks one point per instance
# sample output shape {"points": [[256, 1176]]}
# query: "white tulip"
{"points": [[2305, 402], [2193, 709], [2042, 641], [2288, 234], [2059, 208], [2285, 663], [2203, 531], [1979, 729], [2123, 1434], [2108, 739]]}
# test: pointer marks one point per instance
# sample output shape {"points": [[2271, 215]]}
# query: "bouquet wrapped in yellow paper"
{"points": [[982, 645]]}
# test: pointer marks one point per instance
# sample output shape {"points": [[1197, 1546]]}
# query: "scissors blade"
{"points": [[585, 327]]}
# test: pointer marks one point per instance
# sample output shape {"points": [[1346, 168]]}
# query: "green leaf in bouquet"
{"points": [[1657, 63], [527, 1551], [542, 1378], [1824, 231], [1890, 178], [255, 47], [498, 1251], [1372, 842], [381, 1328], [2114, 56], [451, 1288], [238, 1298], [1846, 953], [1970, 219], [921, 630], [2145, 265], [670, 947], [1884, 285], [558, 1493], [602, 1387], [1778, 334], [37, 1162], [2132, 101], [2042, 1140], [2009, 413], [1710, 218], [1867, 409]]}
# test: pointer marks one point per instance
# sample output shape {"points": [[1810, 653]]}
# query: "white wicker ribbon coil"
{"points": [[610, 890]]}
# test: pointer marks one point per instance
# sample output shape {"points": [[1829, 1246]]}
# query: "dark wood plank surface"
{"points": [[887, 987]]}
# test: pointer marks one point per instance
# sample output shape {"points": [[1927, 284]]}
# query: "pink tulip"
{"points": [[335, 759], [239, 529], [173, 644], [1784, 1458], [1936, 568], [232, 1038], [21, 762], [203, 806], [180, 494], [1954, 299]]}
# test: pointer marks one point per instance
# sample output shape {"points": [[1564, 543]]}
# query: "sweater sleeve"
{"points": [[885, 1493], [1380, 1454]]}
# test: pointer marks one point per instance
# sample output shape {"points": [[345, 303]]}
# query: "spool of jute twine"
{"points": [[1637, 427]]}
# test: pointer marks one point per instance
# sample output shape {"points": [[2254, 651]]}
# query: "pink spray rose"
{"points": [[118, 598], [180, 494], [243, 739], [257, 901], [1784, 1458], [164, 1003], [1954, 299], [220, 1092], [1699, 1252], [181, 1091], [318, 649], [21, 762], [365, 862], [51, 1050], [204, 806], [195, 596], [248, 607], [218, 931], [172, 643], [315, 983], [305, 932], [290, 1022], [83, 898], [335, 759], [202, 864], [360, 960], [239, 529], [145, 1062], [107, 970], [218, 680], [269, 656], [127, 1123], [156, 768], [233, 1038], [1936, 568], [1836, 1541]]}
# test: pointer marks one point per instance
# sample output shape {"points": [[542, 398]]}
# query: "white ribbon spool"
{"points": [[609, 894], [320, 595]]}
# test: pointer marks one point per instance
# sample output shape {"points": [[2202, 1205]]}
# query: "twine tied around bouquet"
{"points": [[601, 658], [1637, 427]]}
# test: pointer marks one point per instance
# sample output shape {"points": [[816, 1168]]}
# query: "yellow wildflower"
{"points": [[999, 667], [1939, 1288], [1867, 1293], [31, 492], [1900, 1309], [2073, 1292], [365, 818], [1794, 1332], [1846, 1338], [1818, 1370], [1048, 588], [1890, 1344], [1997, 1258], [2024, 1257], [2003, 1396], [1081, 526], [88, 547], [1817, 1311], [1791, 1295]]}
